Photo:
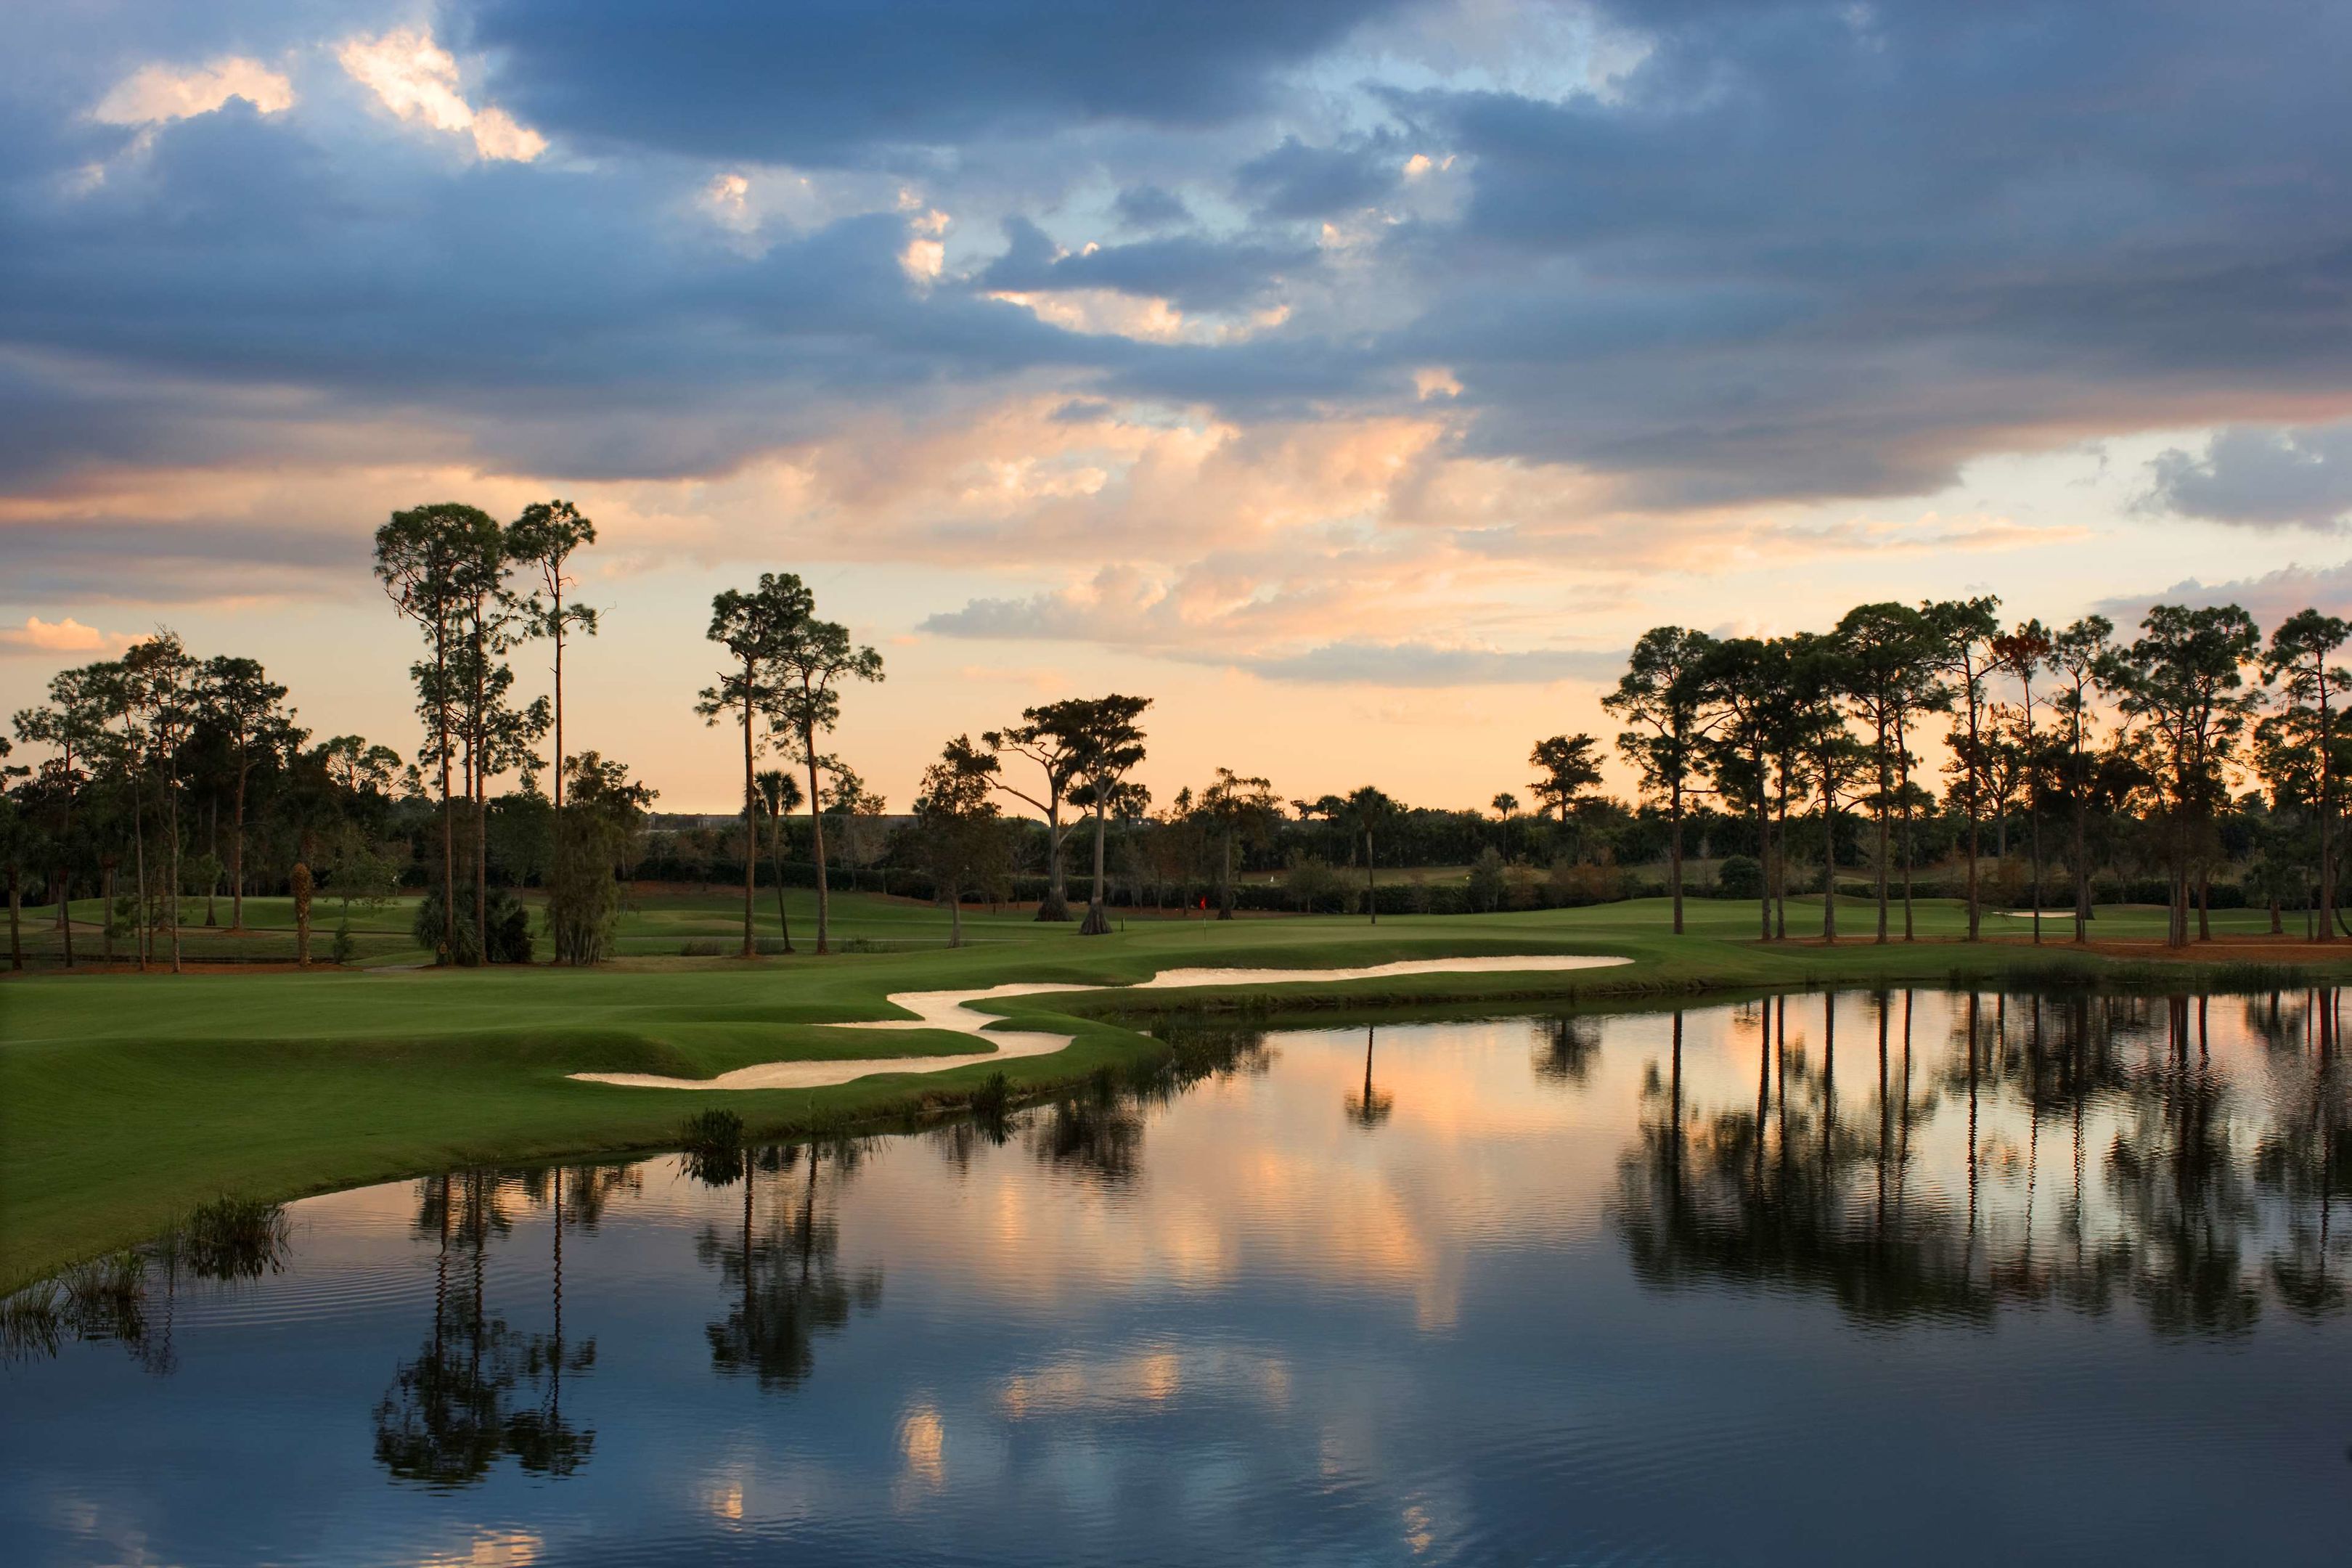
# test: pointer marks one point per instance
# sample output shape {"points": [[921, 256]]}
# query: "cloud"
{"points": [[1193, 273], [834, 81], [1296, 181], [1428, 664], [2267, 477], [2269, 598], [156, 93], [38, 637], [1148, 206], [416, 79]]}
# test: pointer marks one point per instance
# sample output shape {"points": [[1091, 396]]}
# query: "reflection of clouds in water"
{"points": [[1396, 1210], [494, 1549], [922, 1445], [1153, 1377]]}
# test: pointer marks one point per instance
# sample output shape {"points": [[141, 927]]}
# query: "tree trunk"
{"points": [[63, 885], [106, 924], [1763, 860], [1056, 906], [1974, 774], [1779, 865], [776, 856], [1910, 847], [212, 887], [1829, 867], [558, 625], [2081, 853], [751, 816], [1883, 847], [1225, 883], [449, 809], [2204, 904], [955, 915], [62, 893], [816, 848], [481, 787], [1371, 888], [16, 908], [1675, 850], [2033, 823], [2327, 810], [236, 861], [1098, 921], [172, 894], [144, 936]]}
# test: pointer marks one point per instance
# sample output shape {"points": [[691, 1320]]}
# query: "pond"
{"points": [[1918, 1276]]}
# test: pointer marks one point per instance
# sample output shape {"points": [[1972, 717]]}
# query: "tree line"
{"points": [[2070, 723], [190, 776]]}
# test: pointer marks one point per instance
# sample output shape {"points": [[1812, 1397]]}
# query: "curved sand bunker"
{"points": [[953, 1011]]}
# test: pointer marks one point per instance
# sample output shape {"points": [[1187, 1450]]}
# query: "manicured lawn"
{"points": [[127, 1099]]}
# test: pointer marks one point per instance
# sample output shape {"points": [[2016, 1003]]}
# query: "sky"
{"points": [[1358, 380]]}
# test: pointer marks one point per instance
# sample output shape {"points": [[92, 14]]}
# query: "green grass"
{"points": [[126, 1099]]}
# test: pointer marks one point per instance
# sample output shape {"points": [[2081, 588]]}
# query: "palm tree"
{"points": [[1366, 811], [779, 796]]}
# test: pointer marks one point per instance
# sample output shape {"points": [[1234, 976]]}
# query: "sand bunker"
{"points": [[953, 1011]]}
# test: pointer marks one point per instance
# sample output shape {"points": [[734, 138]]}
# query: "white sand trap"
{"points": [[953, 1011]]}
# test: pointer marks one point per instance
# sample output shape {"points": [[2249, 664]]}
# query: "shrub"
{"points": [[1311, 883], [702, 947], [428, 931], [713, 1141], [347, 946], [236, 1239], [510, 929], [990, 1099], [719, 1130], [1578, 884], [1740, 876], [1487, 884]]}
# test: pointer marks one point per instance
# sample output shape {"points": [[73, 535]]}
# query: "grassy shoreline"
{"points": [[126, 1099]]}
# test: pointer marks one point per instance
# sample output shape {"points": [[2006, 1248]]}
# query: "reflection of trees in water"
{"points": [[1095, 1134], [1565, 1049], [2197, 1224], [783, 1268], [477, 1390], [1370, 1107], [132, 1297]]}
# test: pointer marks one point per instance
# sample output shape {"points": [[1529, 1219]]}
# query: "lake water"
{"points": [[1920, 1279]]}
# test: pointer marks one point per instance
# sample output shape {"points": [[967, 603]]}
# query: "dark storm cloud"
{"points": [[1798, 249], [1194, 272], [1148, 206], [550, 319], [133, 561], [1811, 249], [827, 81], [1296, 181]]}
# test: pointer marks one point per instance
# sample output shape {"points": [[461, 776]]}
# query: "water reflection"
{"points": [[2198, 1192], [1367, 1108], [786, 1284], [1543, 1289], [477, 1390]]}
